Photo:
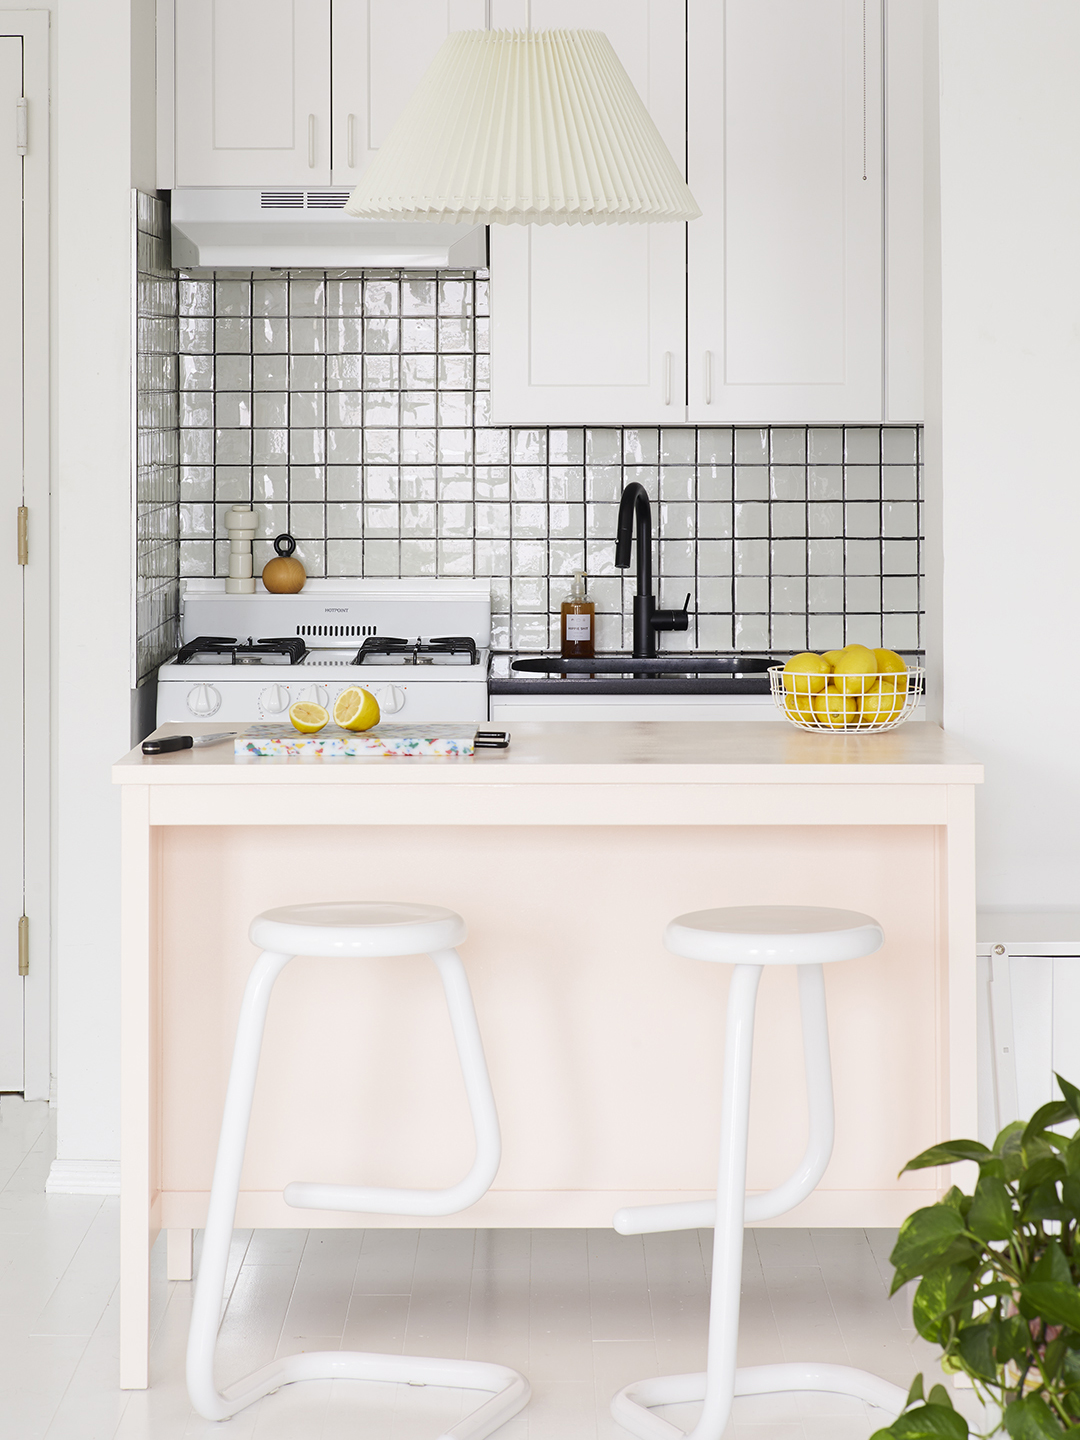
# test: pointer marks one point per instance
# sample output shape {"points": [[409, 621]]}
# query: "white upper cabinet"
{"points": [[381, 49], [294, 92], [785, 316], [252, 92], [589, 321]]}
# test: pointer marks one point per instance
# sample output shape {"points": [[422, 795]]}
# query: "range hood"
{"points": [[293, 229]]}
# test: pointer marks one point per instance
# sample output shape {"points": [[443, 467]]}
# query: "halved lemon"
{"points": [[307, 717], [356, 709]]}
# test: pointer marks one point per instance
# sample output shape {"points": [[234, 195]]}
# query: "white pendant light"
{"points": [[515, 128]]}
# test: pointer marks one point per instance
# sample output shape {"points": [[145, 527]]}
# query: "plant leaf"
{"points": [[1048, 1168], [1054, 1112], [1055, 1301], [991, 1214], [940, 1396], [949, 1153], [1012, 1152], [976, 1347], [1072, 1154], [915, 1392], [1013, 1339], [1014, 1127], [1070, 1189], [1071, 1093], [1043, 1204], [926, 1236], [929, 1422], [1031, 1419], [938, 1295], [1052, 1264]]}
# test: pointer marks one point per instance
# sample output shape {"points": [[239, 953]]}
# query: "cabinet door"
{"points": [[589, 321], [785, 160], [381, 48], [252, 92]]}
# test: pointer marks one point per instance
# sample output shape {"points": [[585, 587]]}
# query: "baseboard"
{"points": [[83, 1177]]}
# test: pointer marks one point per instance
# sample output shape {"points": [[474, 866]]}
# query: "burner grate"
{"points": [[290, 646], [392, 646]]}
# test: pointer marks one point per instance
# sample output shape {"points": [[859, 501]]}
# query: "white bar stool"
{"points": [[750, 937], [359, 930]]}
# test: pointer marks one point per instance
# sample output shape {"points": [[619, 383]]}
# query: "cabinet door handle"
{"points": [[350, 148], [708, 377], [311, 142], [667, 377]]}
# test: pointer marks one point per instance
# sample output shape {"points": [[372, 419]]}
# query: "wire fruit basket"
{"points": [[868, 705]]}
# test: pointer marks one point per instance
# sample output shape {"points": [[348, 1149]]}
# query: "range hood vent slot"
{"points": [[282, 200]]}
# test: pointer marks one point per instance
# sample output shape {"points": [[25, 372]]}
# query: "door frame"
{"points": [[32, 26]]}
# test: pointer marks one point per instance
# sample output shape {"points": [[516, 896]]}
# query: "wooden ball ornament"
{"points": [[284, 575]]}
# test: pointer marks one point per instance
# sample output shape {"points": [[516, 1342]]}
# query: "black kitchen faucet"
{"points": [[647, 618]]}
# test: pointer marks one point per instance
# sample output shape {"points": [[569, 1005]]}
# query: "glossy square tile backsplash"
{"points": [[352, 408], [157, 442]]}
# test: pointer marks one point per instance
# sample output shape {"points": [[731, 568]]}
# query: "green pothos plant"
{"points": [[998, 1279]]}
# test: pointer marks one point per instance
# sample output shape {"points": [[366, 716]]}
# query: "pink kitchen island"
{"points": [[566, 854]]}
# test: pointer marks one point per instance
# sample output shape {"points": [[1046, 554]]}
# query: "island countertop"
{"points": [[625, 752]]}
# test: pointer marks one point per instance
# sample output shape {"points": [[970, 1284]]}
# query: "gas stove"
{"points": [[246, 658]]}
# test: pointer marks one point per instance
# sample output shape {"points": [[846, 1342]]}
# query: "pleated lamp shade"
{"points": [[514, 128]]}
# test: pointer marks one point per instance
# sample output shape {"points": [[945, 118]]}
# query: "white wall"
{"points": [[1010, 255], [97, 108]]}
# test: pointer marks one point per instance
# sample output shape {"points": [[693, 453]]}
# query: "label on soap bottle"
{"points": [[579, 628]]}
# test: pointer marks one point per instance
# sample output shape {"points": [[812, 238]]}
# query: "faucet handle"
{"points": [[672, 619]]}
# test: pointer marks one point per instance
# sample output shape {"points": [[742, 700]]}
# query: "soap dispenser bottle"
{"points": [[578, 629]]}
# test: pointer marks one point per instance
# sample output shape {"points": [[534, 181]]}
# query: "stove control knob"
{"points": [[204, 700], [391, 698], [316, 693], [274, 699]]}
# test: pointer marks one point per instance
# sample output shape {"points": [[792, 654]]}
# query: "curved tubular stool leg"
{"points": [[511, 1389], [721, 1382], [485, 1119]]}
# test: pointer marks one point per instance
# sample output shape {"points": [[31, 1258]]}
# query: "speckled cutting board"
{"points": [[333, 743]]}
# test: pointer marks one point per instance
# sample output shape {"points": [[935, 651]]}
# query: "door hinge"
{"points": [[23, 542], [24, 945], [20, 126]]}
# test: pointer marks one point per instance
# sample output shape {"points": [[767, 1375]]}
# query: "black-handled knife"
{"points": [[168, 743]]}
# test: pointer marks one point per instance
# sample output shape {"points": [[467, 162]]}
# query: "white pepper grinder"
{"points": [[240, 523]]}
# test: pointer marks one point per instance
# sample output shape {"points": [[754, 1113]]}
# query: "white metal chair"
{"points": [[749, 938], [358, 931]]}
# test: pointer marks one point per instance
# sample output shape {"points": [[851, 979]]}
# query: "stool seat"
{"points": [[774, 935], [359, 929]]}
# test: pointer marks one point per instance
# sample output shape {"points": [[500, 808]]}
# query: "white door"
{"points": [[381, 48], [252, 92], [785, 160], [589, 321], [11, 573]]}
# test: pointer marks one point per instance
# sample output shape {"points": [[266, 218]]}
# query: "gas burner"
{"points": [[287, 650], [419, 651]]}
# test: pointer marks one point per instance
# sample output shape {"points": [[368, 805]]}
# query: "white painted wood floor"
{"points": [[582, 1313]]}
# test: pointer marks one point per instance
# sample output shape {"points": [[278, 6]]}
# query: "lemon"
{"points": [[855, 671], [890, 667], [799, 707], [806, 674], [835, 710], [831, 657], [881, 706], [307, 717], [356, 709]]}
